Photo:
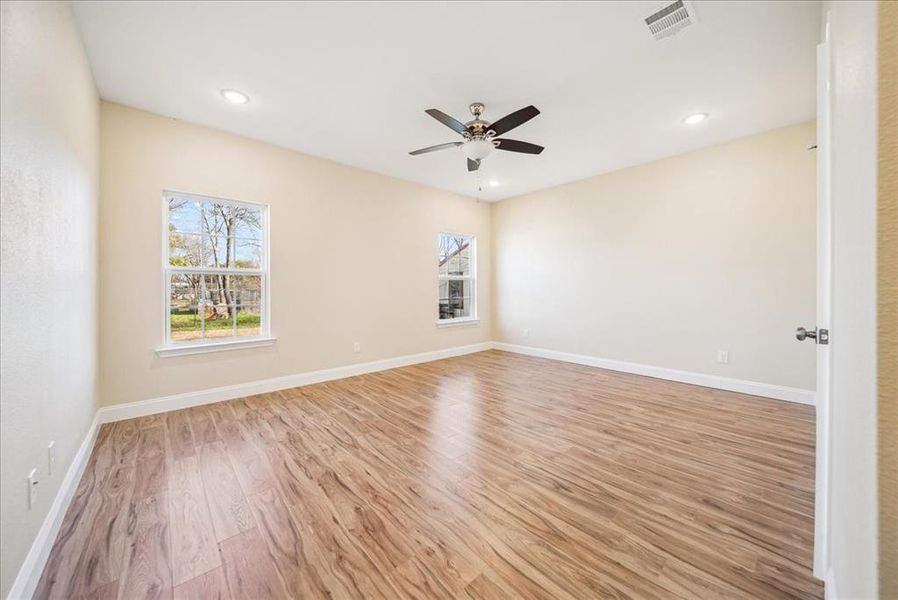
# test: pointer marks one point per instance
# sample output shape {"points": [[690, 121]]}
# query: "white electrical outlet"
{"points": [[723, 356], [32, 488], [51, 456], [357, 347], [526, 333]]}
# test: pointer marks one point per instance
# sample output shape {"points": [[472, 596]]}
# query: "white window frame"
{"points": [[173, 348], [472, 278]]}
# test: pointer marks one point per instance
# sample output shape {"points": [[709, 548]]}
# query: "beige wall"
{"points": [[48, 303], [353, 256], [888, 299], [666, 263]]}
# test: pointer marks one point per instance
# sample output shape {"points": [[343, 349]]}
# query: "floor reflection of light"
{"points": [[454, 417]]}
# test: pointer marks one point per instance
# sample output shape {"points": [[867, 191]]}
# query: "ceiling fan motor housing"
{"points": [[477, 127]]}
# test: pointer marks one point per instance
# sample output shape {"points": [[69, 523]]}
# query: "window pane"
{"points": [[447, 246], [214, 218], [219, 321], [248, 223], [455, 299], [185, 289], [185, 317], [455, 255], [183, 215], [455, 308], [215, 289], [244, 289], [454, 265], [247, 253], [219, 318], [249, 319], [456, 289], [464, 258], [186, 323], [184, 249], [217, 251]]}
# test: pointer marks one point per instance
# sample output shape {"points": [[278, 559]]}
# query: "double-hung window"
{"points": [[457, 259], [216, 272]]}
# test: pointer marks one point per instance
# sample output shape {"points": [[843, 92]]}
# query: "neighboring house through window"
{"points": [[457, 271], [216, 270]]}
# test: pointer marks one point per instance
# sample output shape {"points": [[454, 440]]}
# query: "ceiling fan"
{"points": [[480, 137]]}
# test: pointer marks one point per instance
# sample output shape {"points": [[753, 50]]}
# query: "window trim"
{"points": [[457, 321], [173, 348], [192, 347], [473, 318]]}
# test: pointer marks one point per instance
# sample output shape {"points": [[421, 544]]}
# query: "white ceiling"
{"points": [[350, 81]]}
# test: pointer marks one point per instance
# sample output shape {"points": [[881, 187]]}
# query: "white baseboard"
{"points": [[754, 388], [143, 408], [30, 573]]}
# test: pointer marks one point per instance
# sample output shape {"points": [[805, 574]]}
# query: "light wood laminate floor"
{"points": [[491, 475]]}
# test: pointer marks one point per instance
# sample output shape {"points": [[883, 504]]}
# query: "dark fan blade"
{"points": [[516, 146], [435, 148], [446, 120], [509, 122], [473, 165]]}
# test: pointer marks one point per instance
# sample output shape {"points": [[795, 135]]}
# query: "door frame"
{"points": [[824, 302]]}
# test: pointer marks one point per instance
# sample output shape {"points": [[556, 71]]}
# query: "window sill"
{"points": [[186, 349], [457, 322]]}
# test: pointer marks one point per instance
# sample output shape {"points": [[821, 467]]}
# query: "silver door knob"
{"points": [[821, 336], [801, 334]]}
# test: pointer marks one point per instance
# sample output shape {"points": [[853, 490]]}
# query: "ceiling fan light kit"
{"points": [[480, 136], [477, 149]]}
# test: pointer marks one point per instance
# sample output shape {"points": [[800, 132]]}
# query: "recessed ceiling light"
{"points": [[235, 97], [493, 183], [695, 119]]}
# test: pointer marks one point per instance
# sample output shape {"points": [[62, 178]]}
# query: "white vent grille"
{"points": [[671, 19]]}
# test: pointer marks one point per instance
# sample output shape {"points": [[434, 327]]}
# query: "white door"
{"points": [[824, 299]]}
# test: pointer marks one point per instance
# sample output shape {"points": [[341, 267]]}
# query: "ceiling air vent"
{"points": [[671, 19]]}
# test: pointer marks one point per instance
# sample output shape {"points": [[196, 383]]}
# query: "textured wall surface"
{"points": [[666, 263], [48, 300], [353, 256], [888, 299]]}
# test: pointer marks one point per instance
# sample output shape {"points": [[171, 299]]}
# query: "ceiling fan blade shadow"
{"points": [[517, 146], [509, 122], [473, 165], [435, 148], [453, 124]]}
